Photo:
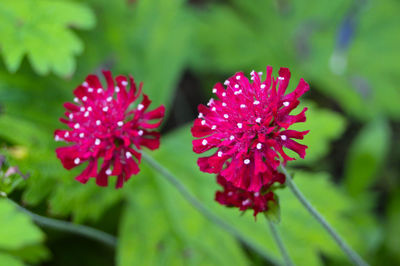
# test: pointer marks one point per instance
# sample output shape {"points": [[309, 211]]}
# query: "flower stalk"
{"points": [[279, 242], [82, 230], [352, 255]]}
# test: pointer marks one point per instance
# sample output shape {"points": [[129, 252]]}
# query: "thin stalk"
{"points": [[279, 242], [202, 208], [64, 226], [352, 255]]}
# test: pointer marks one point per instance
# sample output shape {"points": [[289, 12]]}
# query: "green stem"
{"points": [[353, 256], [203, 209], [279, 242], [70, 227]]}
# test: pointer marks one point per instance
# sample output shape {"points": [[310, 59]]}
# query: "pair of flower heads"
{"points": [[246, 126]]}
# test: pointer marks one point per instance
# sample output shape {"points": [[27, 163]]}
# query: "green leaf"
{"points": [[19, 237], [366, 156], [6, 259], [161, 228], [16, 229], [40, 30], [324, 125], [392, 230], [303, 236]]}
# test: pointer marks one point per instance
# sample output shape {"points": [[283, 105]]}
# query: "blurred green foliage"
{"points": [[20, 239], [347, 51]]}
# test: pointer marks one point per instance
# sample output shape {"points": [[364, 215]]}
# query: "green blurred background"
{"points": [[347, 50]]}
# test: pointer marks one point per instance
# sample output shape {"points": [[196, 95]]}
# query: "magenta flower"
{"points": [[232, 196], [104, 123], [248, 127]]}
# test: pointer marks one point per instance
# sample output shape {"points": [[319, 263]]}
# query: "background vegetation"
{"points": [[347, 50]]}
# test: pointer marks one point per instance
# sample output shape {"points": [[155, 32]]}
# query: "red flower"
{"points": [[103, 124], [232, 196], [248, 126]]}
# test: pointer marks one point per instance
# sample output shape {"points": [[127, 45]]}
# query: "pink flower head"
{"points": [[232, 196], [104, 123], [248, 125]]}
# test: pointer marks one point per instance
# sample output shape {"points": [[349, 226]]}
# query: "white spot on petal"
{"points": [[86, 114], [81, 135], [117, 89], [246, 202], [71, 116], [200, 115], [77, 160], [213, 127], [57, 138], [98, 122], [120, 123], [140, 132], [256, 102], [85, 84], [105, 109], [256, 194], [76, 100], [214, 109], [286, 104], [231, 137], [128, 154], [224, 104], [237, 86], [214, 90], [99, 90], [260, 73], [242, 106], [97, 142], [263, 86], [84, 98], [259, 146], [220, 154], [226, 116], [82, 109], [76, 126], [109, 99], [237, 77], [108, 172], [239, 125], [226, 83], [258, 120], [140, 106], [224, 94], [90, 90], [66, 135], [90, 108], [247, 161], [204, 142], [124, 83], [283, 137], [281, 78], [203, 122]]}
